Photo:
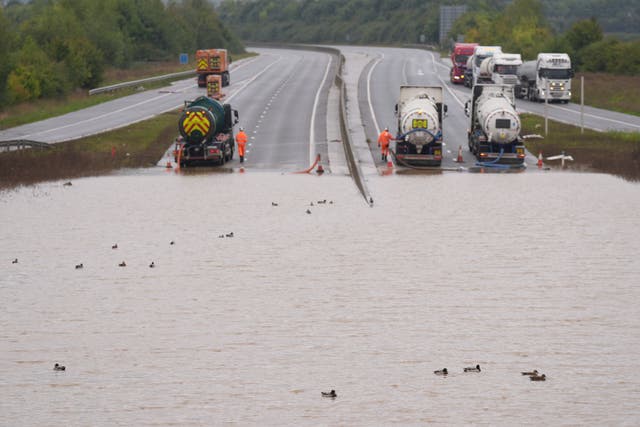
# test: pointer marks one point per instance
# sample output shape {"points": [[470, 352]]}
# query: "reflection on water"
{"points": [[517, 272]]}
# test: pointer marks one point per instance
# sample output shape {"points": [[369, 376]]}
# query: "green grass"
{"points": [[616, 153], [138, 145], [42, 109], [608, 91]]}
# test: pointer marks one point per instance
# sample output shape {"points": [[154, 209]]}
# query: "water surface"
{"points": [[513, 272]]}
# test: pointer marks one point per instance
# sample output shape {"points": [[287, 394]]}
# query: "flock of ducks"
{"points": [[533, 375], [123, 263], [308, 211]]}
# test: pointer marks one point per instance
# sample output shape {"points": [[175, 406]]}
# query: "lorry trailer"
{"points": [[501, 68], [494, 131], [480, 53], [420, 111], [206, 133]]}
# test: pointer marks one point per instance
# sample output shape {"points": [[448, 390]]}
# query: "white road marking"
{"points": [[373, 114], [312, 134]]}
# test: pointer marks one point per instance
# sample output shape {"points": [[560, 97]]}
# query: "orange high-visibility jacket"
{"points": [[241, 137], [241, 140], [384, 138]]}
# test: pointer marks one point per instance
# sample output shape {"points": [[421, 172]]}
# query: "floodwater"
{"points": [[512, 272]]}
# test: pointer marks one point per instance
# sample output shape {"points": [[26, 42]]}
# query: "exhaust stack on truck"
{"points": [[419, 138]]}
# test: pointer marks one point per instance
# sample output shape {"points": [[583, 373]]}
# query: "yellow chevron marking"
{"points": [[196, 121]]}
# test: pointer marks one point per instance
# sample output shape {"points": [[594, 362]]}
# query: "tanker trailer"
{"points": [[206, 129], [494, 134], [419, 137]]}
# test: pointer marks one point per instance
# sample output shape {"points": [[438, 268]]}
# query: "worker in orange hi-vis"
{"points": [[383, 142], [241, 140]]}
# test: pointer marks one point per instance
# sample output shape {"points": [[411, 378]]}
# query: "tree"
{"points": [[583, 33]]}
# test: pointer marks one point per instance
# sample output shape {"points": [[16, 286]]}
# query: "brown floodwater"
{"points": [[510, 271]]}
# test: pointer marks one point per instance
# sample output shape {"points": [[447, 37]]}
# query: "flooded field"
{"points": [[510, 271]]}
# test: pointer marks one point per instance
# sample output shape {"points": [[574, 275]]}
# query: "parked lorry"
{"points": [[212, 61], [494, 131], [419, 138], [480, 53], [459, 57], [548, 77], [501, 68], [206, 133]]}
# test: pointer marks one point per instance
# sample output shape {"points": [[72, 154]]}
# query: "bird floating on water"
{"points": [[274, 204], [530, 373], [15, 261], [441, 372], [152, 265], [67, 184], [115, 246], [79, 266], [473, 369], [122, 264], [308, 211], [58, 367], [331, 394], [229, 234], [542, 377], [172, 242]]}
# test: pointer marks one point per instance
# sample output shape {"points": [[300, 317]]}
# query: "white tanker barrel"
{"points": [[498, 118], [419, 120], [486, 68]]}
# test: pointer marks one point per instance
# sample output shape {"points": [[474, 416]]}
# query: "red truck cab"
{"points": [[461, 52]]}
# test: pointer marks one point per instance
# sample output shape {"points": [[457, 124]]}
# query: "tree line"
{"points": [[51, 47], [521, 27]]}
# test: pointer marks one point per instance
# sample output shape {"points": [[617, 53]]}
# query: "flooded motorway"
{"points": [[512, 272]]}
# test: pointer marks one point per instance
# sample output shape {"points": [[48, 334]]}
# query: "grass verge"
{"points": [[608, 91], [616, 153], [42, 109], [138, 145]]}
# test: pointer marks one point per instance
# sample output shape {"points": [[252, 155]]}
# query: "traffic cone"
{"points": [[540, 160], [459, 159], [389, 162], [319, 169], [169, 165]]}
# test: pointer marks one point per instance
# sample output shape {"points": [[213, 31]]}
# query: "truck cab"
{"points": [[547, 78], [504, 69], [459, 57]]}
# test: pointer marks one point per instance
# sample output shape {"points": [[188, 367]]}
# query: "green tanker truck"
{"points": [[206, 133]]}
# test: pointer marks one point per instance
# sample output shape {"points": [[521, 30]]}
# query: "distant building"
{"points": [[448, 15]]}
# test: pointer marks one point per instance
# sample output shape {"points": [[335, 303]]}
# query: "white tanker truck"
{"points": [[419, 138], [501, 68], [494, 134], [551, 73]]}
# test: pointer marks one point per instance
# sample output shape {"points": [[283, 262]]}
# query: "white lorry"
{"points": [[550, 71], [494, 131], [501, 68], [480, 53], [420, 111]]}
